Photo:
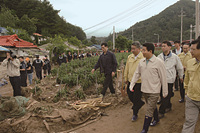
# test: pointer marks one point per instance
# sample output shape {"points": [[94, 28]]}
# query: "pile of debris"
{"points": [[51, 107]]}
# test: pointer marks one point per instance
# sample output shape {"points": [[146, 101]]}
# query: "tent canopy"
{"points": [[3, 49]]}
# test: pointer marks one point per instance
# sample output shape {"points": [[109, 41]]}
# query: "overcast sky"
{"points": [[97, 17]]}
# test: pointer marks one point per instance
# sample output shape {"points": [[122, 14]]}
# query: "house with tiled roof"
{"points": [[13, 41], [16, 45]]}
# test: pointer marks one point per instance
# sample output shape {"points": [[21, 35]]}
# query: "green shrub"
{"points": [[61, 94], [54, 71], [36, 90], [80, 94]]}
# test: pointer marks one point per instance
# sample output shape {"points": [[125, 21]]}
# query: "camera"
{"points": [[13, 56]]}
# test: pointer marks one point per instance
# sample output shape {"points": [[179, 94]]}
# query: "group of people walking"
{"points": [[19, 69], [145, 75], [154, 77]]}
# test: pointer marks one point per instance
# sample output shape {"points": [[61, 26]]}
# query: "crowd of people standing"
{"points": [[20, 69], [63, 58]]}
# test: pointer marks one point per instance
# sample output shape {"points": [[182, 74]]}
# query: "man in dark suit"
{"points": [[108, 65]]}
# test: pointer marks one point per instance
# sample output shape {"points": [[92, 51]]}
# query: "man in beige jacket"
{"points": [[184, 57], [131, 65], [172, 64], [13, 71], [153, 75], [192, 89]]}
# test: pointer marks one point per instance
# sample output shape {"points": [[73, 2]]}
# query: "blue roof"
{"points": [[97, 46], [3, 49], [3, 30]]}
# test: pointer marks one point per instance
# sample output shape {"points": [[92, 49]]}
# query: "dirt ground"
{"points": [[115, 119], [119, 120]]}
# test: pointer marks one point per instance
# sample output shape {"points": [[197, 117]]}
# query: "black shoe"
{"points": [[146, 125], [134, 118], [143, 131], [181, 100], [176, 89], [153, 123], [167, 110], [160, 116]]}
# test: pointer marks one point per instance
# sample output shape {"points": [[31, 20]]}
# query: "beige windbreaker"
{"points": [[153, 76], [13, 67]]}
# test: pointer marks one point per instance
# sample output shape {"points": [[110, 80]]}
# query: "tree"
{"points": [[93, 40], [28, 24], [58, 47], [110, 45], [21, 33], [121, 42], [85, 42], [7, 18], [74, 41], [49, 23]]}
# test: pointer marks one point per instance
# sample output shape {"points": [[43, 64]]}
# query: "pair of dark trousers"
{"points": [[182, 90], [23, 80], [39, 74], [135, 97], [15, 82], [177, 82], [108, 82], [155, 115], [166, 102]]}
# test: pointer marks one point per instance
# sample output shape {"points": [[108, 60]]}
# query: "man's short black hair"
{"points": [[105, 44], [149, 47], [197, 41], [177, 41], [189, 44], [9, 52], [167, 42], [37, 56], [13, 56], [21, 57]]}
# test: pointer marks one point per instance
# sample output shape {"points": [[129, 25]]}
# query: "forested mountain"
{"points": [[38, 15], [167, 24]]}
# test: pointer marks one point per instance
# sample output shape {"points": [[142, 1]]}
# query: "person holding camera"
{"points": [[13, 71]]}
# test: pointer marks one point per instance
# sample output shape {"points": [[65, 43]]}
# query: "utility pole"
{"points": [[181, 24], [113, 37], [197, 20], [132, 34], [158, 38], [191, 33]]}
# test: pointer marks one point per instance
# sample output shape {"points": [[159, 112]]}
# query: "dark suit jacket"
{"points": [[107, 63]]}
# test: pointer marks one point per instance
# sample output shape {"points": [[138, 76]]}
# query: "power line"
{"points": [[135, 10], [148, 8], [133, 7]]}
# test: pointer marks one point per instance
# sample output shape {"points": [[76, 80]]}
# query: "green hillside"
{"points": [[36, 16], [167, 24]]}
